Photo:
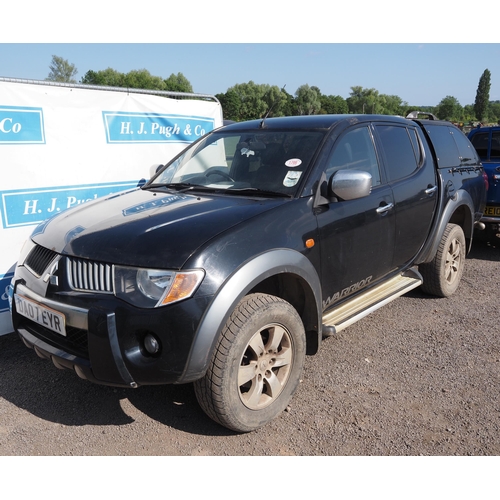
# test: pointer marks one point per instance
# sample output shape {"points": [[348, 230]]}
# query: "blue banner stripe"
{"points": [[30, 207], [21, 125], [122, 127]]}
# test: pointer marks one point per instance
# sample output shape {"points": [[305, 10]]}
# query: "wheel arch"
{"points": [[459, 210], [283, 272], [298, 292]]}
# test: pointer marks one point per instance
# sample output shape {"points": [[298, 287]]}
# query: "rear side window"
{"points": [[401, 150], [444, 145]]}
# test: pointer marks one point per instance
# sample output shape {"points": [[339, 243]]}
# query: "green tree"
{"points": [[178, 83], [494, 111], [61, 71], [333, 104], [483, 96], [107, 77], [137, 79], [449, 109], [392, 105], [307, 100], [276, 100], [288, 104], [364, 101], [143, 79], [249, 101], [230, 102]]}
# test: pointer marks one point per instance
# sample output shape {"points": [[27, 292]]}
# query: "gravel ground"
{"points": [[421, 376]]}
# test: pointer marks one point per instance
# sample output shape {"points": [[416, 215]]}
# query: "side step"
{"points": [[360, 306]]}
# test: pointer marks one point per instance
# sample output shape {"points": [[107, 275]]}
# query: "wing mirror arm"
{"points": [[321, 197]]}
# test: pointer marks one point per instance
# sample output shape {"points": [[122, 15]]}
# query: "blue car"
{"points": [[486, 140]]}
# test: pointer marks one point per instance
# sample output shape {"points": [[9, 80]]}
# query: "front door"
{"points": [[357, 236]]}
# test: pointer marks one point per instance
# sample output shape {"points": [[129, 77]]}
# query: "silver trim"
{"points": [[385, 208], [127, 90], [369, 301], [75, 316], [89, 276]]}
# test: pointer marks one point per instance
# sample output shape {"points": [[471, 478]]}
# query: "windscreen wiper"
{"points": [[258, 192], [178, 187]]}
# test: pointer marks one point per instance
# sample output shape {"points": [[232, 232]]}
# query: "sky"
{"points": [[421, 74], [404, 55]]}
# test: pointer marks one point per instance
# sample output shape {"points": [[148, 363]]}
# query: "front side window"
{"points": [[355, 151]]}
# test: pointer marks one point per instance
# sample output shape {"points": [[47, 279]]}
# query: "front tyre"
{"points": [[442, 275], [256, 366]]}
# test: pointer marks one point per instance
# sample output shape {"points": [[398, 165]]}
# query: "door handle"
{"points": [[431, 190], [385, 208]]}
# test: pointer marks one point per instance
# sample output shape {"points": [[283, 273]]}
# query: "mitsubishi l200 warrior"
{"points": [[240, 255]]}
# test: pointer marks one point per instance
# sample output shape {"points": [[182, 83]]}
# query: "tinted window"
{"points": [[355, 151], [495, 145], [480, 143], [444, 144], [399, 152]]}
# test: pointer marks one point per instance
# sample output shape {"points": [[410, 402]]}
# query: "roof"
{"points": [[323, 122]]}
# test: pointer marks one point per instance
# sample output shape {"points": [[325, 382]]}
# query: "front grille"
{"points": [[39, 259], [89, 276]]}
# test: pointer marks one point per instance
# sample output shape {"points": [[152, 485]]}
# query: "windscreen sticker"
{"points": [[246, 151], [291, 179], [293, 162]]}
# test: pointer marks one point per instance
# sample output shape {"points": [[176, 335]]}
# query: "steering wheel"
{"points": [[210, 172]]}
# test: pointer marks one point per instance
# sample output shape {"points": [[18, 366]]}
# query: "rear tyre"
{"points": [[442, 275], [256, 366]]}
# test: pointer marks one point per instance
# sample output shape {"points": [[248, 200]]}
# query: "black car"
{"points": [[242, 253]]}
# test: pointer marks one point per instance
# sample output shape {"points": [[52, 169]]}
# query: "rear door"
{"points": [[411, 174]]}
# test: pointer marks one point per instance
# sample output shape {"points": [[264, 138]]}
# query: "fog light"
{"points": [[151, 344]]}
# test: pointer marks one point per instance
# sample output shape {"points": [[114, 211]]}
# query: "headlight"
{"points": [[155, 287]]}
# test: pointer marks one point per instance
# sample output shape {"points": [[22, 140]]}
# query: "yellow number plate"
{"points": [[492, 211]]}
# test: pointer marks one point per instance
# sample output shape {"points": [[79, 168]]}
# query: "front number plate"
{"points": [[492, 211], [42, 315]]}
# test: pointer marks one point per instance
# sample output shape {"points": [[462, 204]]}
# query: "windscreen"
{"points": [[266, 161]]}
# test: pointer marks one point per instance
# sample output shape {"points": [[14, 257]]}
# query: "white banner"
{"points": [[61, 146]]}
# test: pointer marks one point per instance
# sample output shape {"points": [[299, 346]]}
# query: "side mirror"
{"points": [[350, 184]]}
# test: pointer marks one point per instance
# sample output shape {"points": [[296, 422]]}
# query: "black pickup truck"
{"points": [[244, 252]]}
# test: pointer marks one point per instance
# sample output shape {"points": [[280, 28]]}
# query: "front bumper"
{"points": [[491, 217], [104, 341]]}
